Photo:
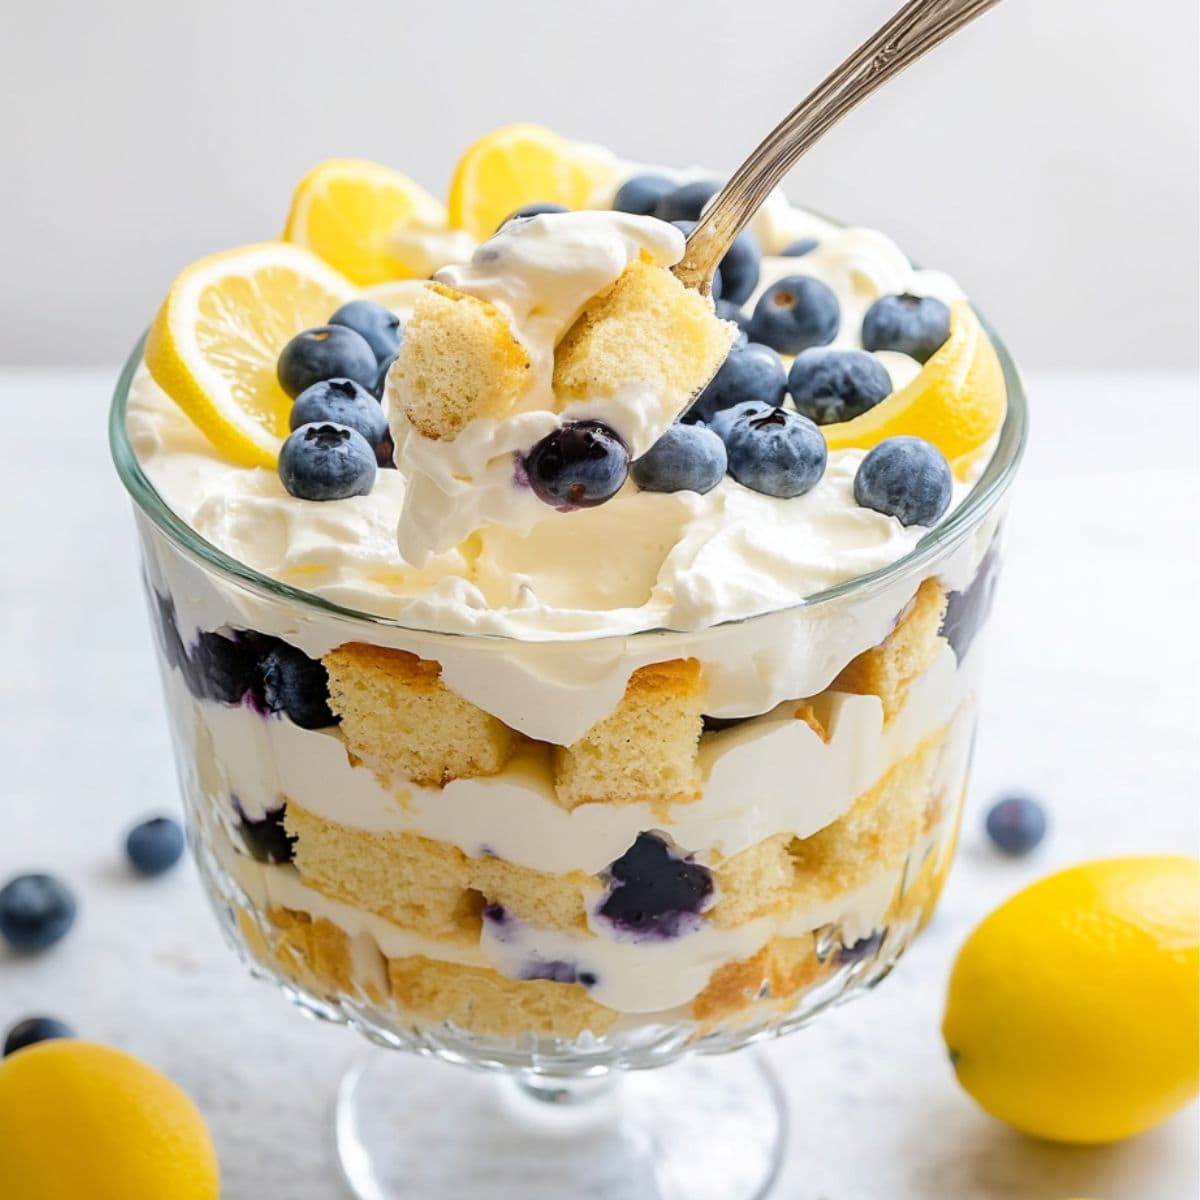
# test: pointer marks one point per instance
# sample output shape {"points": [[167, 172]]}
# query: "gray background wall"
{"points": [[1047, 157]]}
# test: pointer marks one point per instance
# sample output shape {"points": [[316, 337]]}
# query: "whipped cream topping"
{"points": [[540, 273], [543, 581]]}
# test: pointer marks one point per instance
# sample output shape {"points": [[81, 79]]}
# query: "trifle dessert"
{"points": [[561, 661]]}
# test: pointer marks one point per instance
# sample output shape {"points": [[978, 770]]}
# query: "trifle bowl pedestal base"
{"points": [[704, 1128]]}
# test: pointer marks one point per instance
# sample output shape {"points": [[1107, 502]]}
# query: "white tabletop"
{"points": [[1089, 702]]}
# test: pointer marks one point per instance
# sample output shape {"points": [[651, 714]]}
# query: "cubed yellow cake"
{"points": [[644, 752], [888, 670], [428, 886], [459, 360], [646, 329], [400, 719]]}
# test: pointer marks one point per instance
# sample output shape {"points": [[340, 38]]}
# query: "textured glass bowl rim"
{"points": [[986, 493]]}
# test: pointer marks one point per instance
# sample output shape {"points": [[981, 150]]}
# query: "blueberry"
{"points": [[740, 268], [686, 202], [966, 611], [266, 839], [174, 652], [327, 352], [837, 385], [327, 462], [1016, 824], [796, 313], [344, 402], [687, 458], [35, 911], [799, 248], [380, 384], [749, 372], [296, 685], [641, 193], [907, 478], [865, 947], [32, 1030], [379, 327], [579, 465], [772, 450], [556, 971], [225, 667], [737, 274], [537, 209], [654, 891], [913, 325], [155, 846], [733, 312]]}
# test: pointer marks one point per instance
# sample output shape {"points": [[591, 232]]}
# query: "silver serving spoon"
{"points": [[917, 27]]}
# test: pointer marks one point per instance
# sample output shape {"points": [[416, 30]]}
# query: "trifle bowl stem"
{"points": [[705, 1128]]}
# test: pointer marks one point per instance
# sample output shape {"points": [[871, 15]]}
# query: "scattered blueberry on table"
{"points": [[686, 458], [795, 313], [1016, 824], [36, 910], [907, 478], [749, 372], [640, 194], [579, 465], [829, 386], [378, 326], [912, 325], [327, 461], [32, 1030], [326, 352], [772, 450], [154, 846]]}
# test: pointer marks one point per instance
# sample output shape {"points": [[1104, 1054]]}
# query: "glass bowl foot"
{"points": [[702, 1129]]}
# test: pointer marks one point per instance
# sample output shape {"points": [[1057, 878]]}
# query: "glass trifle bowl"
{"points": [[560, 855]]}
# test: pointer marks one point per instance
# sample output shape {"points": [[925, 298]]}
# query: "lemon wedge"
{"points": [[350, 211], [215, 341], [522, 164], [957, 402]]}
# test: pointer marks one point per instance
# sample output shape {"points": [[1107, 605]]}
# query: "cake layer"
{"points": [[515, 815], [436, 890]]}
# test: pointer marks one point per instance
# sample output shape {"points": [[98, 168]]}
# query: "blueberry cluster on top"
{"points": [[335, 373]]}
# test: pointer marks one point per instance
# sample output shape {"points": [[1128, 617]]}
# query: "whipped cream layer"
{"points": [[266, 761]]}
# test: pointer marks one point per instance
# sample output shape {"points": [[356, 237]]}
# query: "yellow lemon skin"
{"points": [[80, 1121], [522, 164], [957, 401], [1073, 1009], [347, 211]]}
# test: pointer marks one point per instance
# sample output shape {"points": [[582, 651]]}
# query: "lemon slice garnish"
{"points": [[350, 210], [216, 339], [957, 402], [518, 165]]}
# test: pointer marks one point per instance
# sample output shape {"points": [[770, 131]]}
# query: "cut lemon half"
{"points": [[216, 339], [522, 164], [348, 210], [956, 402]]}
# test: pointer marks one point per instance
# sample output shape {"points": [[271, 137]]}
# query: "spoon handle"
{"points": [[917, 27]]}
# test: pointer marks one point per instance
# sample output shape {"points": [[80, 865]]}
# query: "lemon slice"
{"points": [[956, 402], [522, 164], [350, 210], [216, 339]]}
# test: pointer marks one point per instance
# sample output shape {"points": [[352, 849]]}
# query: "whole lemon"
{"points": [[1073, 1009], [81, 1120]]}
